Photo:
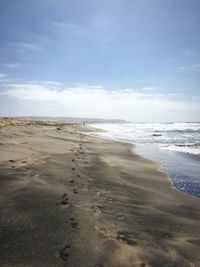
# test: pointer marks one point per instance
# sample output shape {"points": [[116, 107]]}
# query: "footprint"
{"points": [[78, 175], [127, 238], [73, 169], [109, 199], [194, 241], [65, 200], [75, 191], [72, 181], [1, 144], [101, 231], [73, 160], [96, 209], [11, 160], [64, 253], [73, 223], [24, 161], [120, 217]]}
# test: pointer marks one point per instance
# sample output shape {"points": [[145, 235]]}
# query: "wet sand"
{"points": [[67, 199]]}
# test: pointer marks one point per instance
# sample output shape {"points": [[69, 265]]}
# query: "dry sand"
{"points": [[71, 200]]}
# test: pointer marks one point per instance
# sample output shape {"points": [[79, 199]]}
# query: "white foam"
{"points": [[182, 137]]}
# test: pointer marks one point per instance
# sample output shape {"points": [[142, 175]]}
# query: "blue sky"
{"points": [[132, 59]]}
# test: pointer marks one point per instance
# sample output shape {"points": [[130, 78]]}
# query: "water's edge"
{"points": [[181, 168]]}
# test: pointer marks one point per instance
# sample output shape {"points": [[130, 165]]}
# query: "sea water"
{"points": [[175, 146]]}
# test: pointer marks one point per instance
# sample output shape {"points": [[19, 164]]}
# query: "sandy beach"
{"points": [[68, 199]]}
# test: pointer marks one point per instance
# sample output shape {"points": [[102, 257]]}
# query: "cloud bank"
{"points": [[51, 99]]}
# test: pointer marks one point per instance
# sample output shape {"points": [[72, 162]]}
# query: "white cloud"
{"points": [[196, 66], [186, 67], [190, 52], [96, 101], [11, 65], [24, 47], [68, 27], [58, 24], [3, 77], [51, 84], [181, 68], [149, 89]]}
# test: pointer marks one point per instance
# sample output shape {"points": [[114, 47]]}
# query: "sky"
{"points": [[137, 60]]}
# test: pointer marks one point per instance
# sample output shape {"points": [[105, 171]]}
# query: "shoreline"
{"points": [[75, 200], [182, 168], [162, 158]]}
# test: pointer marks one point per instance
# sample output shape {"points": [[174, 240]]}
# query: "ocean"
{"points": [[175, 146]]}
